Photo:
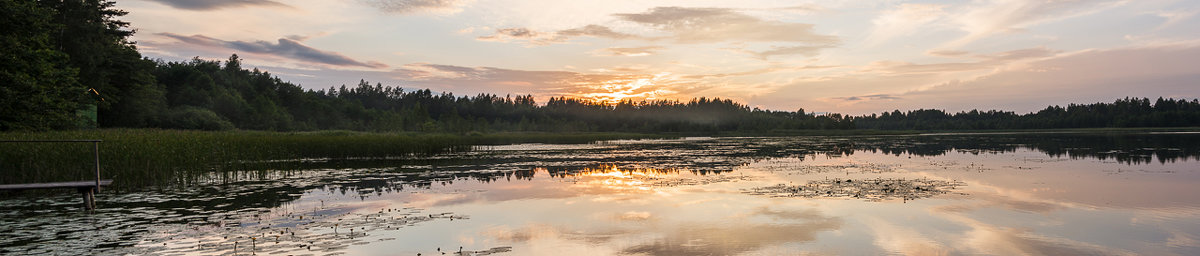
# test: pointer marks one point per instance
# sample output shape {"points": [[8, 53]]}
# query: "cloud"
{"points": [[985, 61], [562, 36], [518, 34], [432, 72], [1009, 16], [205, 5], [887, 85], [802, 9], [1035, 52], [632, 51], [282, 48], [908, 68], [904, 20], [1173, 17], [761, 71], [709, 25], [871, 97], [417, 6], [947, 53], [595, 31], [689, 26], [805, 50]]}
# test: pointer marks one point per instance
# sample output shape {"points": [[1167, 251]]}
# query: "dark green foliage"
{"points": [[1128, 112], [193, 118], [61, 57], [96, 43], [38, 89]]}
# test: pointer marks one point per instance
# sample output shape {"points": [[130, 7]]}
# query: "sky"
{"points": [[853, 57]]}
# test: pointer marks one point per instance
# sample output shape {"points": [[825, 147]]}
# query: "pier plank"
{"points": [[54, 185]]}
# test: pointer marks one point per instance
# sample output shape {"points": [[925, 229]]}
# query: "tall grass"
{"points": [[152, 157]]}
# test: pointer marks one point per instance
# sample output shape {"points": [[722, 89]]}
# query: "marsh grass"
{"points": [[151, 157]]}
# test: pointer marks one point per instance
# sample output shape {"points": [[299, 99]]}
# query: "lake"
{"points": [[1002, 194]]}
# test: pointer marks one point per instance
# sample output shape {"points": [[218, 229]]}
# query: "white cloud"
{"points": [[707, 25], [905, 20], [627, 51], [1011, 16], [283, 48], [217, 4], [417, 6], [1172, 17]]}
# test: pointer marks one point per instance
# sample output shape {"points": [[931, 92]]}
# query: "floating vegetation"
{"points": [[502, 249], [869, 189], [704, 180], [797, 169], [320, 231]]}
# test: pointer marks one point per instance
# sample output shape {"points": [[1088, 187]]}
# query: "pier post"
{"points": [[96, 147], [89, 198]]}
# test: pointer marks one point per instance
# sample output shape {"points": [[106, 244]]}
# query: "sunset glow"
{"points": [[614, 91], [851, 57]]}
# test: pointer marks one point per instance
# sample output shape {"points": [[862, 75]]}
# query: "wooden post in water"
{"points": [[96, 149], [89, 198]]}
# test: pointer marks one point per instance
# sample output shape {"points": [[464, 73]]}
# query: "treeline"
{"points": [[201, 94], [1127, 112]]}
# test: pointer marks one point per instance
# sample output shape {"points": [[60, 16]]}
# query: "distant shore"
{"points": [[156, 157], [868, 132]]}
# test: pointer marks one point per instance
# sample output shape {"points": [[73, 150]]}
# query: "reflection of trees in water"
{"points": [[704, 157], [592, 170], [223, 192], [210, 197], [1124, 148], [1128, 149]]}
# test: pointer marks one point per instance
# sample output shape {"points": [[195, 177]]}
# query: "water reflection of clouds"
{"points": [[1064, 228], [644, 215], [700, 239], [903, 240], [1056, 203], [740, 235], [984, 238], [605, 183], [1005, 212]]}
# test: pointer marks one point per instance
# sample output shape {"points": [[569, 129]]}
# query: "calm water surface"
{"points": [[1048, 194]]}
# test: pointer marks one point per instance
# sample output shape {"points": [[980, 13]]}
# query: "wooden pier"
{"points": [[87, 188]]}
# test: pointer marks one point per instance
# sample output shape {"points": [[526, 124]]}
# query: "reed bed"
{"points": [[153, 157]]}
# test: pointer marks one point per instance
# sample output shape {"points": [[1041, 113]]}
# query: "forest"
{"points": [[1127, 112], [70, 65]]}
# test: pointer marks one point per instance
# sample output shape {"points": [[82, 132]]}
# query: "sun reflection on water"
{"points": [[616, 178]]}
